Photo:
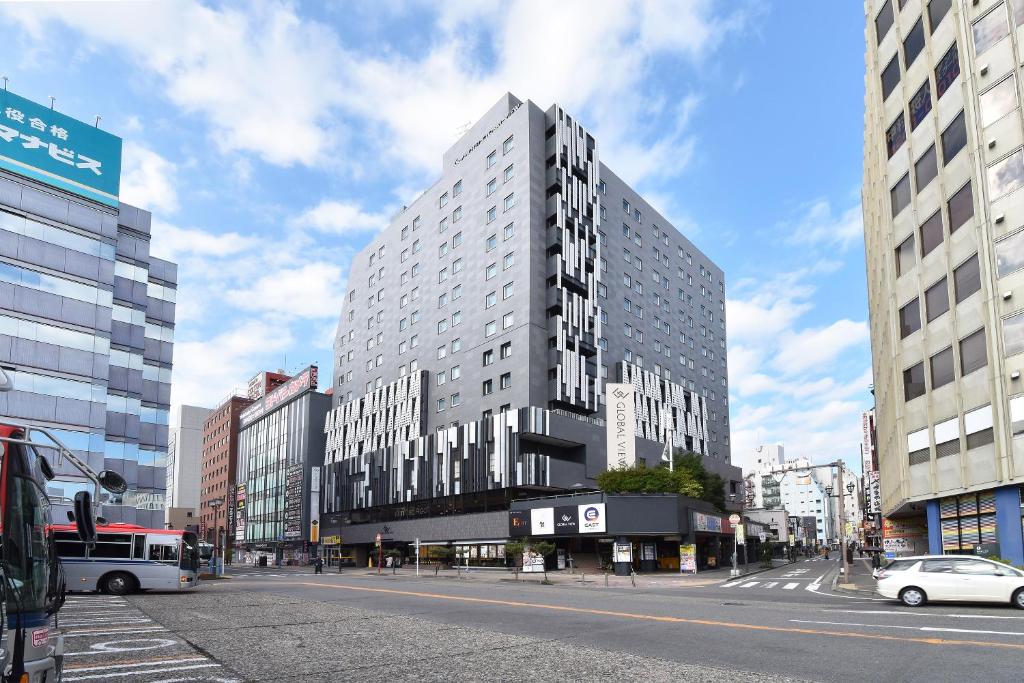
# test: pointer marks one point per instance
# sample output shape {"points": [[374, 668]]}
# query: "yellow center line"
{"points": [[671, 620]]}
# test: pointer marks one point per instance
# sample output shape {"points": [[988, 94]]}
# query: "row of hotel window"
{"points": [[989, 29]]}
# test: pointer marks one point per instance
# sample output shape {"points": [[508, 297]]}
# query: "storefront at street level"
{"points": [[587, 529]]}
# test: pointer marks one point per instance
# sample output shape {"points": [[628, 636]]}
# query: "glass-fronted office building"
{"points": [[86, 313]]}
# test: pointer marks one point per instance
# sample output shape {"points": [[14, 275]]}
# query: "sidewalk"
{"points": [[564, 577], [860, 580]]}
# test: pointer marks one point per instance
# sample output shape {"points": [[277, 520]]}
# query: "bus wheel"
{"points": [[118, 583]]}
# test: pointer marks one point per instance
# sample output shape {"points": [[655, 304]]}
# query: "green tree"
{"points": [[514, 550], [441, 555], [542, 549], [712, 485], [643, 479]]}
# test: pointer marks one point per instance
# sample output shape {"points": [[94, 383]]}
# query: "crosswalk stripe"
{"points": [[750, 585], [771, 584], [790, 586], [731, 584]]}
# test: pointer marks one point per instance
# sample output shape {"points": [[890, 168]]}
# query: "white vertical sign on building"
{"points": [[620, 422]]}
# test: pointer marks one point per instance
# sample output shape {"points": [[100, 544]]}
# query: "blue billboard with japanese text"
{"points": [[45, 145]]}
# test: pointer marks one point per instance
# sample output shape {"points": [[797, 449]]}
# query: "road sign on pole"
{"points": [[734, 519]]}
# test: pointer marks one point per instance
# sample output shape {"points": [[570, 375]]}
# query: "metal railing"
{"points": [[597, 421]]}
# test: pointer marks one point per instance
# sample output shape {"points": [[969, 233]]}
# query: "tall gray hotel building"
{"points": [[86, 313], [482, 326]]}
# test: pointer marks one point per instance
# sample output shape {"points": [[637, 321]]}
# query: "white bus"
{"points": [[128, 558]]}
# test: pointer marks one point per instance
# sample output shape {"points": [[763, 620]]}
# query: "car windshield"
{"points": [[26, 552], [900, 565]]}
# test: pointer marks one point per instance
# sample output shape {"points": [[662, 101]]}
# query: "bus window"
{"points": [[117, 546], [68, 544], [164, 553], [140, 547]]}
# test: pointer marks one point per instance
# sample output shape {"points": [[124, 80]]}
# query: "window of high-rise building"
{"points": [[998, 101], [910, 318], [1013, 334], [936, 299], [960, 207], [1010, 254], [883, 21], [899, 195], [941, 367], [1006, 176], [913, 44], [966, 278], [990, 29], [954, 139], [947, 71], [920, 105], [925, 169], [973, 355], [937, 10], [913, 382], [931, 233]]}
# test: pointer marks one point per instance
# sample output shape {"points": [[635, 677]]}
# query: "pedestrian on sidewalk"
{"points": [[318, 565]]}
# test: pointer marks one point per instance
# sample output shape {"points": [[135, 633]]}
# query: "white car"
{"points": [[916, 580]]}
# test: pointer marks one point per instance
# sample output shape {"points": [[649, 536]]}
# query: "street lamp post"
{"points": [[215, 504]]}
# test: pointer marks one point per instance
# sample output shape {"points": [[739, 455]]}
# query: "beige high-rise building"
{"points": [[944, 236]]}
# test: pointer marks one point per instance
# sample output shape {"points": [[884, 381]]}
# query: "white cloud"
{"points": [[314, 290], [819, 225], [818, 348], [206, 371], [340, 218], [173, 243], [148, 180]]}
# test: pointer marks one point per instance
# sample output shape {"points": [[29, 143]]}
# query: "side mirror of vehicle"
{"points": [[83, 518], [113, 482], [46, 468]]}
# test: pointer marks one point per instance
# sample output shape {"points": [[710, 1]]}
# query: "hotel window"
{"points": [[490, 328], [441, 378], [960, 207], [456, 240], [442, 250], [506, 146], [405, 232], [509, 173], [456, 318], [492, 213], [491, 242], [456, 292], [508, 261], [488, 357], [998, 101], [457, 214], [942, 368], [487, 387], [905, 259], [443, 225], [896, 135], [510, 201], [947, 71], [954, 139], [443, 200], [1006, 176], [505, 350], [937, 10], [456, 372], [507, 321], [440, 405], [967, 278], [457, 266], [442, 275], [456, 345], [505, 380], [456, 399], [506, 291], [442, 300], [415, 269], [490, 271], [936, 299], [416, 224], [442, 351], [509, 231], [490, 299], [990, 29], [442, 325], [492, 186], [457, 190], [625, 206], [416, 247]]}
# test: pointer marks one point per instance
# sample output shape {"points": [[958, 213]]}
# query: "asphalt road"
{"points": [[282, 626]]}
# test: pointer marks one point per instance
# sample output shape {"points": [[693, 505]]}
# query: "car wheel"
{"points": [[118, 583], [912, 597], [1018, 599]]}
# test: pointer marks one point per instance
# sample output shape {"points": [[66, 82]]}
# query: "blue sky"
{"points": [[271, 140]]}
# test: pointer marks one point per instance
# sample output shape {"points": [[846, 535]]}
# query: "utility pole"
{"points": [[842, 525]]}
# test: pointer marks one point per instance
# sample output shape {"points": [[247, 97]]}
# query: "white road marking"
{"points": [[106, 667], [114, 633], [731, 584], [931, 629], [790, 586], [921, 614], [771, 584], [112, 646], [106, 676]]}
